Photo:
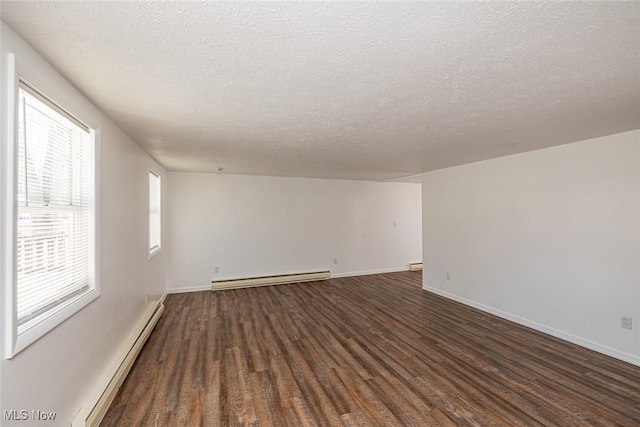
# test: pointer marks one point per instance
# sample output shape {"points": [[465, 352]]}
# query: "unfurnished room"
{"points": [[319, 213]]}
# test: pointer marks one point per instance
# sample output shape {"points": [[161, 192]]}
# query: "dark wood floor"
{"points": [[363, 351]]}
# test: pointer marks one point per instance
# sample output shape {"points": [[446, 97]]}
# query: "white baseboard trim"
{"points": [[369, 272], [199, 288], [583, 342], [105, 389]]}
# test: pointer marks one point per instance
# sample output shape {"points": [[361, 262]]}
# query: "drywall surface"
{"points": [[56, 372], [549, 238], [249, 226]]}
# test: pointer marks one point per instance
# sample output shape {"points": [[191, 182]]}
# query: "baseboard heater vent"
{"points": [[96, 406], [416, 266], [269, 280]]}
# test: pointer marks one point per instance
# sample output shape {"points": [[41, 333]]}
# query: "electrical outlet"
{"points": [[335, 260], [394, 223], [448, 276], [146, 299], [216, 270], [626, 322]]}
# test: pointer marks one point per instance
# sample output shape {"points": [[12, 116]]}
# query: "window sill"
{"points": [[42, 325]]}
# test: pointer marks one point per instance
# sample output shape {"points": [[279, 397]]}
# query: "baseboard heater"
{"points": [[96, 406], [415, 266], [217, 285]]}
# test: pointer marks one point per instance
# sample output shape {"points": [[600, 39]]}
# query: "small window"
{"points": [[155, 218], [54, 256]]}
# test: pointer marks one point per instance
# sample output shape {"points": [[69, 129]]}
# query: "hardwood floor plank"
{"points": [[240, 406], [355, 419], [401, 403], [306, 420], [442, 396], [367, 399], [363, 351], [324, 372], [256, 360], [212, 402], [442, 419], [324, 413], [264, 402]]}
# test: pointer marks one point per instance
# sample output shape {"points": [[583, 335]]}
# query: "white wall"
{"points": [[252, 226], [56, 372], [549, 238]]}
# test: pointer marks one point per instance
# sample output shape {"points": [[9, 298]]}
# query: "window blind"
{"points": [[155, 224], [53, 214]]}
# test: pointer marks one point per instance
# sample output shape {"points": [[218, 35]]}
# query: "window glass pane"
{"points": [[53, 221], [154, 212]]}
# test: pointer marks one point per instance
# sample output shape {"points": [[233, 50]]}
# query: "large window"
{"points": [[155, 217], [54, 224]]}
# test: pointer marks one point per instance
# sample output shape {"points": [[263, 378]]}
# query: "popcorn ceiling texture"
{"points": [[371, 91]]}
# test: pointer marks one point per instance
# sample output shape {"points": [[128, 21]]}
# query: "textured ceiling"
{"points": [[371, 90]]}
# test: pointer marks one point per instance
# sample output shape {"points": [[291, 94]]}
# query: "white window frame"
{"points": [[153, 251], [65, 97]]}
